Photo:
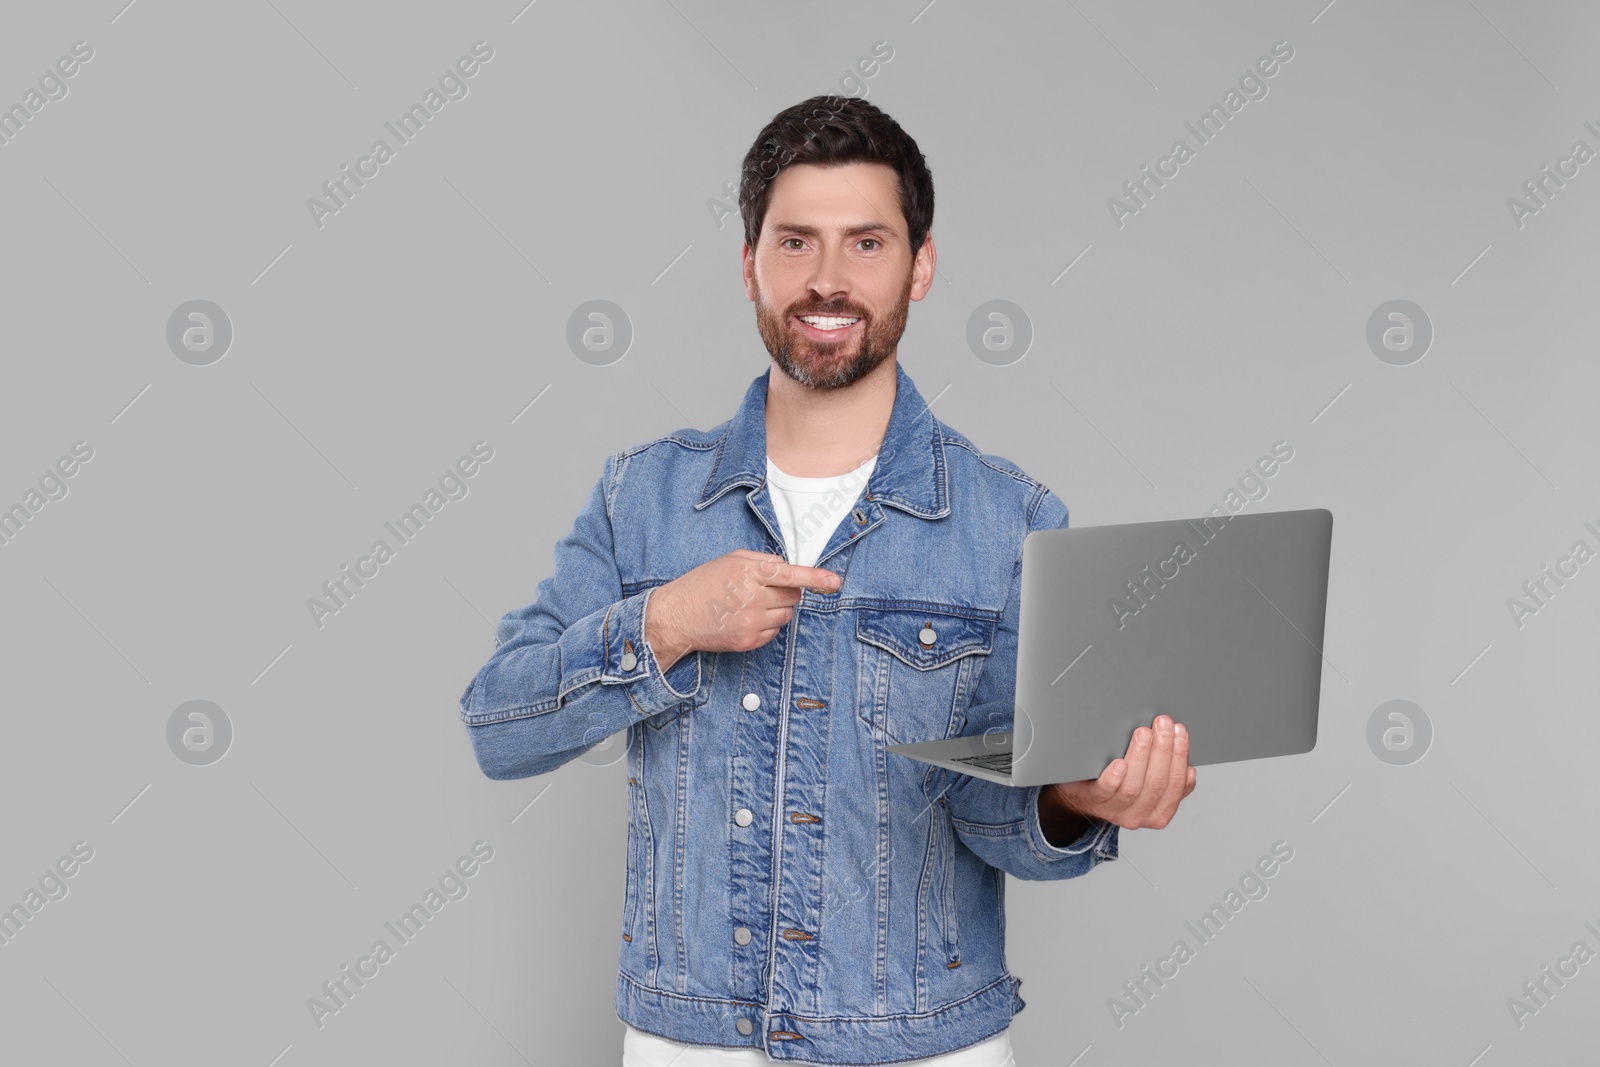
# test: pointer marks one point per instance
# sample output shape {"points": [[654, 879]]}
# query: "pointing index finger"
{"points": [[795, 576]]}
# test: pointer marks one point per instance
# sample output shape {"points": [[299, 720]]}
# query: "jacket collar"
{"points": [[909, 474]]}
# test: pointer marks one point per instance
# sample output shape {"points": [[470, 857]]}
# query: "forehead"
{"points": [[836, 196]]}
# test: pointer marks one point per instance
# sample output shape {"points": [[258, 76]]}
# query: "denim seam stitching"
{"points": [[1004, 979], [652, 948], [679, 859], [925, 904]]}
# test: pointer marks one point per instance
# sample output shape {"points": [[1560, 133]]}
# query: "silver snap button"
{"points": [[751, 702], [743, 817], [741, 935], [744, 1026], [629, 661], [927, 636]]}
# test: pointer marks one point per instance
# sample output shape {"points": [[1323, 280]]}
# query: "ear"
{"points": [[922, 268], [749, 269]]}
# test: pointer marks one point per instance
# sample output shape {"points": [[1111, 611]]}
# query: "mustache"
{"points": [[848, 313]]}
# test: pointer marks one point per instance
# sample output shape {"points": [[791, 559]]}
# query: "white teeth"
{"points": [[824, 322]]}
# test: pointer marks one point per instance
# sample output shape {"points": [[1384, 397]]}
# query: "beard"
{"points": [[831, 364]]}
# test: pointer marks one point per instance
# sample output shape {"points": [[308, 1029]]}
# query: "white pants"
{"points": [[640, 1049]]}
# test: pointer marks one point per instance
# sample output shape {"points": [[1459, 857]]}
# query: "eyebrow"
{"points": [[851, 231]]}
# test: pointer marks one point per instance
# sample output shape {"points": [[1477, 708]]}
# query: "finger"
{"points": [[766, 558], [1110, 780], [1178, 778], [1174, 797], [776, 618], [759, 566], [1157, 772], [1138, 758], [798, 577]]}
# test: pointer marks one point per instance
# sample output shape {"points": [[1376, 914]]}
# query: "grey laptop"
{"points": [[1214, 621]]}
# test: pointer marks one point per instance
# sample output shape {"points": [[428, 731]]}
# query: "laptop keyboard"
{"points": [[989, 761]]}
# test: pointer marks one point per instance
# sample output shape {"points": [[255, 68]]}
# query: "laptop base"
{"points": [[986, 756]]}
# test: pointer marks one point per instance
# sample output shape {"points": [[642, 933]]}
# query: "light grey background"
{"points": [[430, 312]]}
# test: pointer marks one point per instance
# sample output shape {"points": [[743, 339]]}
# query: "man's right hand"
{"points": [[733, 603]]}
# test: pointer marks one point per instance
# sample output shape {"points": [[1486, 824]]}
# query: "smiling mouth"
{"points": [[827, 327]]}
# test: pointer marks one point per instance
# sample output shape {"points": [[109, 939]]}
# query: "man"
{"points": [[794, 892]]}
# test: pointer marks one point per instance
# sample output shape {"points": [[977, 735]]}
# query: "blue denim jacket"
{"points": [[791, 885]]}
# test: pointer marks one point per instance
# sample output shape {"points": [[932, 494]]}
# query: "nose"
{"points": [[830, 278]]}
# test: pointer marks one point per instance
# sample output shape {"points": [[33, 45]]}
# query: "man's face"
{"points": [[834, 250]]}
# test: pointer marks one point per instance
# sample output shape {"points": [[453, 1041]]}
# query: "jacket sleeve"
{"points": [[1000, 822], [572, 667]]}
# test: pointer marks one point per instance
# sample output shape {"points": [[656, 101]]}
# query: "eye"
{"points": [[785, 242], [873, 241]]}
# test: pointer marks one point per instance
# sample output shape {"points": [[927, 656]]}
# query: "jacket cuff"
{"points": [[626, 658], [1097, 843]]}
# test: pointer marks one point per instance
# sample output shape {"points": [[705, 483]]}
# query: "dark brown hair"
{"points": [[829, 131]]}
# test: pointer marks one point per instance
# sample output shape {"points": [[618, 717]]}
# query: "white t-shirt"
{"points": [[809, 508], [640, 1049]]}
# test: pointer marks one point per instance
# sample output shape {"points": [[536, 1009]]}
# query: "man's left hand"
{"points": [[1142, 789]]}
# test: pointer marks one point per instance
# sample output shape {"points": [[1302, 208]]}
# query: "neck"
{"points": [[819, 433]]}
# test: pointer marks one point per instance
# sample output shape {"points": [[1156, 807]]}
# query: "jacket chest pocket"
{"points": [[917, 667]]}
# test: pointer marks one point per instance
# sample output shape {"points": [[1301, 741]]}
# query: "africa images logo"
{"points": [[1252, 486], [452, 86]]}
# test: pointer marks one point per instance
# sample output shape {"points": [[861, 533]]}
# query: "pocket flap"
{"points": [[927, 637]]}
